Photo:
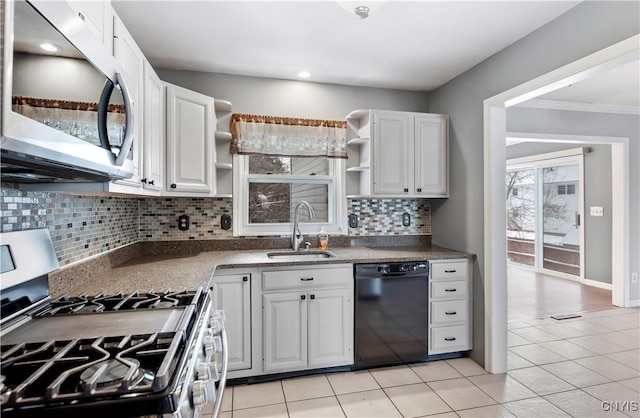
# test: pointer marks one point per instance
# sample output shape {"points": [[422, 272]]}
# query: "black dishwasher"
{"points": [[391, 313]]}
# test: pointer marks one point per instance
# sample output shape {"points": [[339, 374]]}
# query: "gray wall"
{"points": [[303, 99], [597, 192], [458, 221]]}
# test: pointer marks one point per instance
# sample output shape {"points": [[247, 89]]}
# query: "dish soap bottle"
{"points": [[323, 240]]}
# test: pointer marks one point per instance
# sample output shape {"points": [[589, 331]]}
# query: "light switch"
{"points": [[597, 211]]}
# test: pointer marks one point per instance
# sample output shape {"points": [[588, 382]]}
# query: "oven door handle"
{"points": [[223, 375]]}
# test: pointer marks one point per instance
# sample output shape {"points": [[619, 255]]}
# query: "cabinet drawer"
{"points": [[448, 271], [449, 339], [293, 279], [449, 312], [456, 289]]}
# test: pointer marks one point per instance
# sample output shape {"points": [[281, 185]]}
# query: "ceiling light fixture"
{"points": [[362, 12], [304, 74], [48, 47], [362, 8]]}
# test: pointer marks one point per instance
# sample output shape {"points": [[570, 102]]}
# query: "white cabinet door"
{"points": [[431, 156], [233, 295], [284, 331], [153, 158], [96, 15], [131, 58], [392, 132], [190, 136], [330, 330]]}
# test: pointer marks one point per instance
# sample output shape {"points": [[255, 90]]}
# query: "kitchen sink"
{"points": [[301, 255]]}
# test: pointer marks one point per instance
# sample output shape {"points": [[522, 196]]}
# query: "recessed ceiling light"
{"points": [[48, 47], [304, 74]]}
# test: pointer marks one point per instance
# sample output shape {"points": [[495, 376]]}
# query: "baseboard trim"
{"points": [[595, 283]]}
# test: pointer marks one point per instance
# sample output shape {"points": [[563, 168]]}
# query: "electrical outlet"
{"points": [[406, 219], [634, 277], [183, 222], [596, 211], [225, 222], [353, 220]]}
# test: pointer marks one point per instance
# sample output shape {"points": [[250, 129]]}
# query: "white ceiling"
{"points": [[617, 87], [411, 45]]}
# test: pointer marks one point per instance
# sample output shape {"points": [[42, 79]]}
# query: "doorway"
{"points": [[495, 296]]}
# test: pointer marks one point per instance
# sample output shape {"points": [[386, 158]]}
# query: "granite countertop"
{"points": [[181, 270]]}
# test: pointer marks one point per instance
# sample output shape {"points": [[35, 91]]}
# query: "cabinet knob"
{"points": [[245, 279], [406, 190], [144, 180], [173, 186], [81, 16], [303, 297], [419, 190], [312, 296], [151, 182]]}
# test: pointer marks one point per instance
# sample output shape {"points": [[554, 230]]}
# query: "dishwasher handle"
{"points": [[361, 276]]}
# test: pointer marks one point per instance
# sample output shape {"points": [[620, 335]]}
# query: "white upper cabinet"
{"points": [[431, 155], [392, 142], [154, 136], [397, 154], [190, 148], [97, 16]]}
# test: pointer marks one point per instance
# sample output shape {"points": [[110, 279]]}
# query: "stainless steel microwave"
{"points": [[66, 110]]}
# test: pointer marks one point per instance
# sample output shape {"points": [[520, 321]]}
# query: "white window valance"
{"points": [[291, 137]]}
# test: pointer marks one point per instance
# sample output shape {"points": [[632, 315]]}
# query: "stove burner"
{"points": [[101, 302], [115, 372]]}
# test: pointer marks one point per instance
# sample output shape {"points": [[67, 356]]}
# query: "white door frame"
{"points": [[495, 265]]}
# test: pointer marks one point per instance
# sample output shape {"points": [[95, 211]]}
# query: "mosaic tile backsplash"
{"points": [[83, 226], [80, 226], [159, 218]]}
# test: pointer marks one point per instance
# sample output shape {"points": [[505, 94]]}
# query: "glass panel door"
{"points": [[560, 220], [544, 205], [521, 216]]}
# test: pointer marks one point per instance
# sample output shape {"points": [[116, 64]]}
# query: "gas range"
{"points": [[141, 354]]}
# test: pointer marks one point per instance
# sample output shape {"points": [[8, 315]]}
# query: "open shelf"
{"points": [[356, 169], [358, 141], [224, 166]]}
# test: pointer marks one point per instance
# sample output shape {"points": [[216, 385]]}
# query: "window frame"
{"points": [[336, 202]]}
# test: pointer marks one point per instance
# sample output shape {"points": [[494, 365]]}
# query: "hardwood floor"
{"points": [[532, 294]]}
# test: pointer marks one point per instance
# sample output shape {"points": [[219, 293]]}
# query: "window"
{"points": [[268, 187], [514, 191], [562, 189], [571, 189]]}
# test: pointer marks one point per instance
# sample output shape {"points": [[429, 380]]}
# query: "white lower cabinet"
{"points": [[286, 318], [308, 320], [450, 309], [232, 293], [285, 331]]}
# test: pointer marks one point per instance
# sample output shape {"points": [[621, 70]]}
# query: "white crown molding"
{"points": [[580, 107]]}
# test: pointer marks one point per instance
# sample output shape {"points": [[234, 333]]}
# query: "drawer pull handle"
{"points": [[450, 313], [450, 290], [306, 279], [450, 271], [450, 338]]}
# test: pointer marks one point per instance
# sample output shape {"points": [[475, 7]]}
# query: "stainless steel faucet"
{"points": [[296, 237]]}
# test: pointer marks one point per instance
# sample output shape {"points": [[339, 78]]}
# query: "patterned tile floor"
{"points": [[583, 367]]}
